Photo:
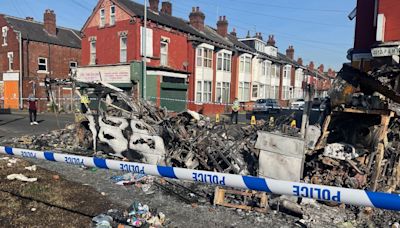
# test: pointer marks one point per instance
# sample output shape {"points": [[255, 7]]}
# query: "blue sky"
{"points": [[319, 30]]}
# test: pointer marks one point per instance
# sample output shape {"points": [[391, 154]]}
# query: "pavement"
{"points": [[245, 118], [17, 124]]}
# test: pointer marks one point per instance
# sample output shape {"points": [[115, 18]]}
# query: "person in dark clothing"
{"points": [[32, 102]]}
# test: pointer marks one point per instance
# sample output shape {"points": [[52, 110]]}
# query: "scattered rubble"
{"points": [[137, 215]]}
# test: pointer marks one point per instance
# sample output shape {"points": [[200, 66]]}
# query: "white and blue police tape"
{"points": [[319, 192]]}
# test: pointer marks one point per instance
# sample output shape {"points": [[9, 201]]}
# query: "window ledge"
{"points": [[3, 45], [42, 72]]}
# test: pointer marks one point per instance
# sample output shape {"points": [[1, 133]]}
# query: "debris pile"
{"points": [[138, 215], [359, 145]]}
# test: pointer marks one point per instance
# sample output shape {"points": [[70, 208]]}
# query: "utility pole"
{"points": [[144, 48]]}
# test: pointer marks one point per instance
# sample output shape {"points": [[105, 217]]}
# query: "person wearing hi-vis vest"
{"points": [[235, 111], [84, 102]]}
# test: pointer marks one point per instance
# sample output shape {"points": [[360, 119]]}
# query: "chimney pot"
{"points": [[290, 52], [50, 22], [233, 33], [154, 5], [271, 40], [166, 7], [196, 18], [222, 26], [29, 18]]}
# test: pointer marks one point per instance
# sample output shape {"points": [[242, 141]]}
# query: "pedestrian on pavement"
{"points": [[235, 111], [84, 102], [32, 104]]}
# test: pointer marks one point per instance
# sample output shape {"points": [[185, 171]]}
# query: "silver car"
{"points": [[266, 105]]}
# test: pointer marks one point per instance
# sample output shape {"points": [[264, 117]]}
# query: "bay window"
{"points": [[224, 62], [223, 92], [203, 91], [245, 64], [244, 91], [204, 57]]}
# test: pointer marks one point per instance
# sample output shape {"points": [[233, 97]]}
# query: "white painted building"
{"points": [[224, 74], [245, 77], [204, 73]]}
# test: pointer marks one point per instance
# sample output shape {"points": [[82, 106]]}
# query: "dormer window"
{"points": [[4, 31], [112, 15], [102, 17]]}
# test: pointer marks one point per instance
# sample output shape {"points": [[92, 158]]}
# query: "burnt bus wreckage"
{"points": [[126, 127]]}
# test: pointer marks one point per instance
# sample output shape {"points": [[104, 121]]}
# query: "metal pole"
{"points": [[144, 47], [21, 103], [306, 112]]}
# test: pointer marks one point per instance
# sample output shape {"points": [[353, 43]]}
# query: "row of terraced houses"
{"points": [[189, 64]]}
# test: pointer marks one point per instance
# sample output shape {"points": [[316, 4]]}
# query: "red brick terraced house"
{"points": [[30, 51], [190, 65], [112, 52]]}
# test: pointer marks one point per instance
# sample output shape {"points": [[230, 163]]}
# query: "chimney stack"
{"points": [[271, 40], [290, 52], [222, 26], [258, 35], [154, 5], [248, 34], [311, 66], [166, 7], [50, 22], [233, 33], [29, 18], [196, 18], [300, 61], [321, 68]]}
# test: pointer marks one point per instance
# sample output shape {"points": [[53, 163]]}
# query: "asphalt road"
{"points": [[17, 124], [246, 118]]}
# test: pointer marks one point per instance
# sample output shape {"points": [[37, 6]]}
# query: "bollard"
{"points": [[253, 120]]}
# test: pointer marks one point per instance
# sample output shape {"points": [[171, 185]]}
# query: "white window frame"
{"points": [[73, 62], [112, 15], [202, 57], [254, 91], [164, 54], [286, 71], [244, 91], [203, 96], [102, 14], [224, 62], [45, 64], [123, 49], [4, 32], [93, 47], [223, 87], [10, 57], [245, 64]]}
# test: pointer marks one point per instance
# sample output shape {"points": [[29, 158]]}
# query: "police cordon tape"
{"points": [[318, 192]]}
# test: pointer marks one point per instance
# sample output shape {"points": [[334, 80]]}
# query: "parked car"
{"points": [[298, 104], [266, 105]]}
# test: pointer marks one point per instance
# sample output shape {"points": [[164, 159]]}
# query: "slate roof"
{"points": [[35, 31], [287, 60], [240, 45], [209, 34]]}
